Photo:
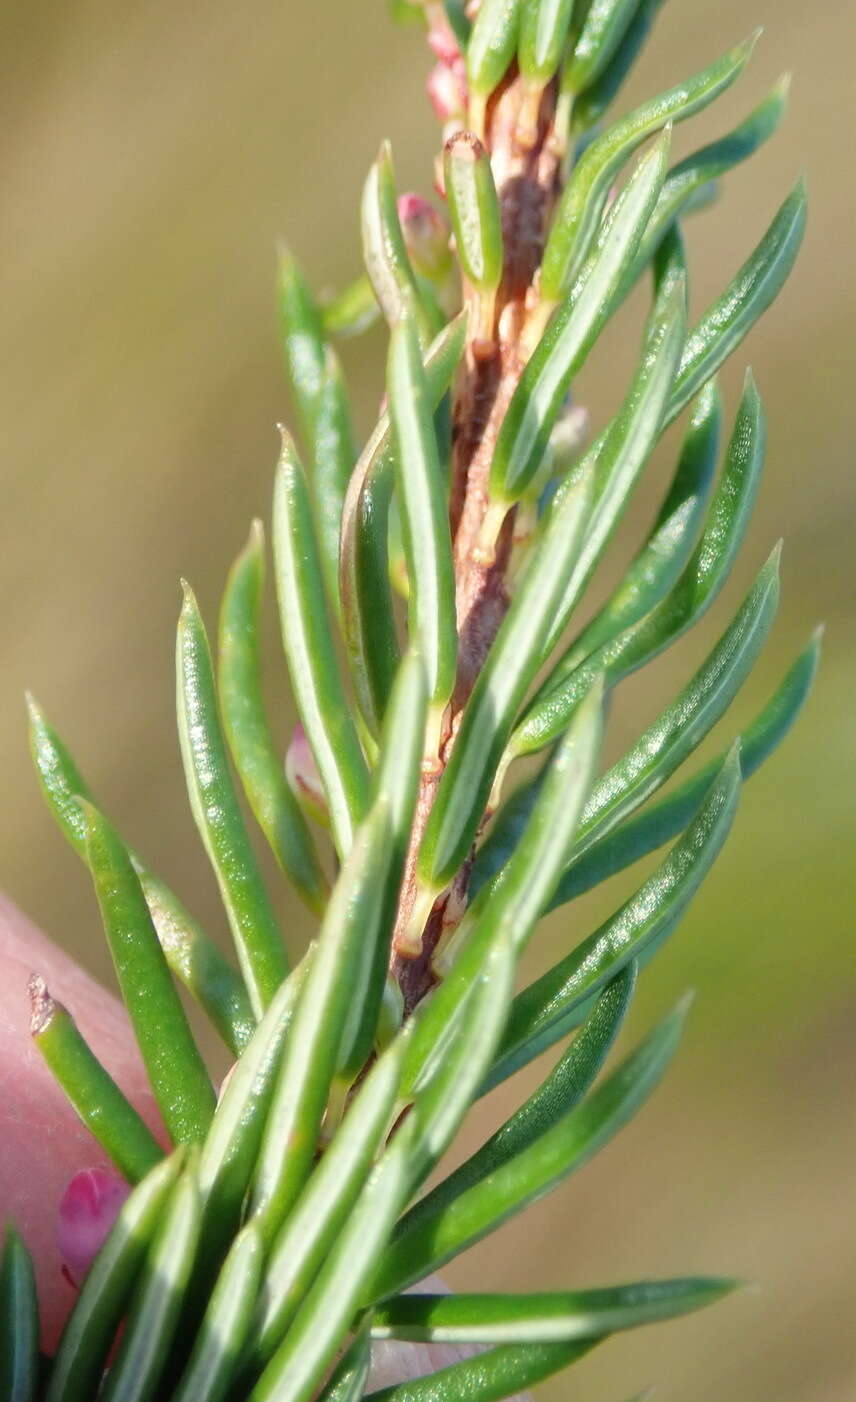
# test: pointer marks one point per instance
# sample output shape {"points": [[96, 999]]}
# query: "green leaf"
{"points": [[384, 251], [136, 1372], [310, 1344], [683, 724], [311, 1228], [351, 311], [542, 1011], [396, 784], [368, 617], [218, 817], [90, 1088], [746, 298], [605, 25], [333, 456], [542, 1319], [591, 105], [669, 543], [173, 1064], [302, 340], [562, 350], [225, 1328], [561, 1090], [191, 956], [582, 202], [308, 643], [694, 592], [89, 1332], [619, 454], [247, 731], [569, 1143], [491, 48], [501, 1372], [638, 836], [348, 1382], [425, 520], [511, 907], [229, 1152], [696, 173], [473, 210], [543, 34], [346, 940], [499, 690], [19, 1323]]}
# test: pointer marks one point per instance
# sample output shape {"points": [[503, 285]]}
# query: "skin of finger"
{"points": [[42, 1143]]}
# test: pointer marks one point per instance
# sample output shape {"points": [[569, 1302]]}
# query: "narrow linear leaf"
{"points": [[590, 106], [696, 589], [617, 457], [491, 48], [302, 340], [395, 784], [513, 905], [499, 690], [562, 350], [136, 1372], [683, 725], [697, 173], [218, 817], [230, 1149], [311, 1228], [638, 836], [225, 1327], [191, 955], [368, 616], [582, 202], [415, 1251], [351, 311], [559, 1092], [542, 1318], [309, 649], [303, 1084], [348, 1382], [89, 1332], [669, 544], [473, 211], [333, 456], [108, 1115], [541, 1012], [543, 34], [19, 1322], [747, 297], [340, 1288], [425, 518], [173, 1064], [247, 731], [385, 253], [488, 1377], [605, 25]]}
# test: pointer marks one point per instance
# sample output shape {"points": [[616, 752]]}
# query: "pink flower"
{"points": [[426, 236], [89, 1207], [447, 91], [302, 774]]}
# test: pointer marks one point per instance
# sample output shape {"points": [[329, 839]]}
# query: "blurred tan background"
{"points": [[151, 155]]}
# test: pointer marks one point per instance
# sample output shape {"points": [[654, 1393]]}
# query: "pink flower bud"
{"points": [[442, 42], [302, 774], [447, 91], [89, 1207], [426, 236]]}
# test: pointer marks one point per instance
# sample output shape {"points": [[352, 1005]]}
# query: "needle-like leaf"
{"points": [[174, 1066], [19, 1322], [311, 657], [246, 726], [214, 803]]}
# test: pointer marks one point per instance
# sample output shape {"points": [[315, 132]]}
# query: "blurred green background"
{"points": [[151, 155]]}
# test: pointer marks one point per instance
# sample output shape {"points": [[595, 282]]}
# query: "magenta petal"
{"points": [[89, 1207]]}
